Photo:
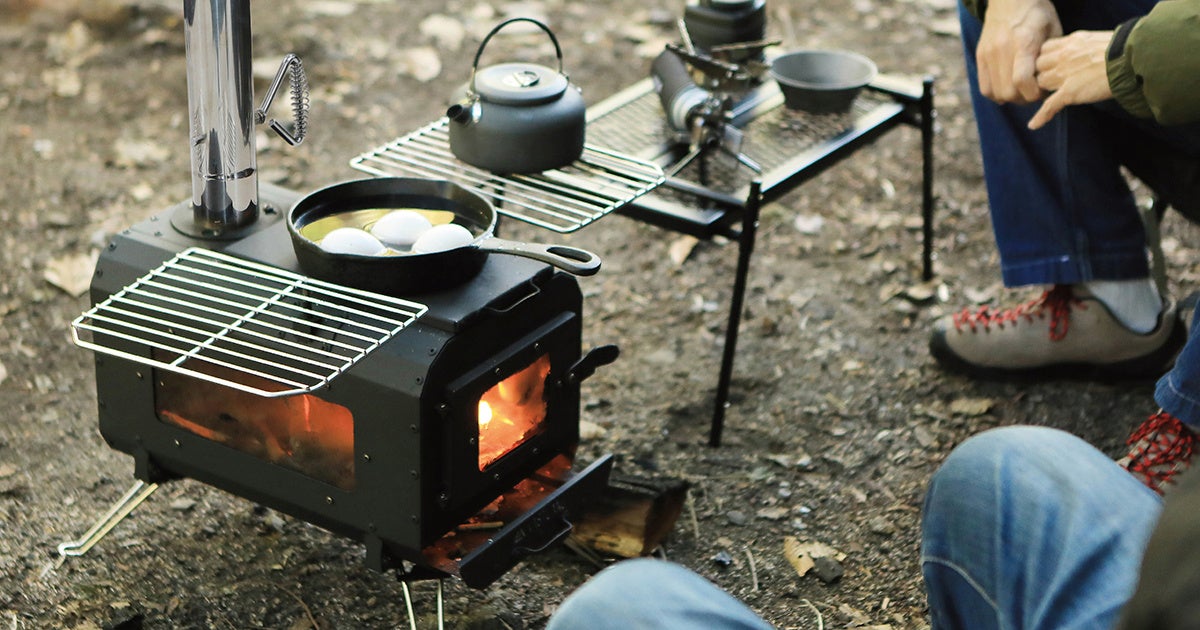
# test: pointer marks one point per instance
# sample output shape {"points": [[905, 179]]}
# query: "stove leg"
{"points": [[412, 618], [408, 605], [132, 498], [745, 250], [441, 615]]}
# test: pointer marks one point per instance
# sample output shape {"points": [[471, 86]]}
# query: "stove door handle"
{"points": [[553, 540], [596, 357]]}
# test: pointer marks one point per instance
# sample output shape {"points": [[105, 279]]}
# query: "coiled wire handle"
{"points": [[299, 86]]}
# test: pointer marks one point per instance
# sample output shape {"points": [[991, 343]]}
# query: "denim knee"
{"points": [[652, 594]]}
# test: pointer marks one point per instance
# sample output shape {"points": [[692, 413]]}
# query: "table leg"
{"points": [[745, 250]]}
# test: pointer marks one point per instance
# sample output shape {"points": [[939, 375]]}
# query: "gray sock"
{"points": [[1135, 303]]}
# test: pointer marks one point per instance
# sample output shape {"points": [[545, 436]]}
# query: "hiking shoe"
{"points": [[1064, 333], [1160, 449]]}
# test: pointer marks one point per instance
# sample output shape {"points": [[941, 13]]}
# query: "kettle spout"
{"points": [[461, 112]]}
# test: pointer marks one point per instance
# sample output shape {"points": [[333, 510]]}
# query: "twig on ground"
{"points": [[820, 619], [307, 611], [585, 553], [691, 505], [753, 570]]}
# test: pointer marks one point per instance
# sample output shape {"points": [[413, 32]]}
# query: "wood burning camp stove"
{"points": [[439, 433]]}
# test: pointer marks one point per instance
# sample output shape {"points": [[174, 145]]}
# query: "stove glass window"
{"points": [[512, 411], [302, 432]]}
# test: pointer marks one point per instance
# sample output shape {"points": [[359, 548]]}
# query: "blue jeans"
{"points": [[1032, 528], [647, 594], [1061, 211]]}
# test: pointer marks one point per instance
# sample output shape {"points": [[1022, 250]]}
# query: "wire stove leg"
{"points": [[408, 605], [140, 491]]}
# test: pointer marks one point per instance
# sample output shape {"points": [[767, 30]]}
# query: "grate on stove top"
{"points": [[238, 323]]}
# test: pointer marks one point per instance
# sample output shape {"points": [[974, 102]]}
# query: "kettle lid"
{"points": [[519, 84]]}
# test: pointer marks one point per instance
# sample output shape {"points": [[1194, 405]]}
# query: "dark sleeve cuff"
{"points": [[1124, 82]]}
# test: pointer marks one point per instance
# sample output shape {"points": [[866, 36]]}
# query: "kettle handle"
{"points": [[488, 37]]}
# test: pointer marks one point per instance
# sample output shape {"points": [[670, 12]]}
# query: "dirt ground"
{"points": [[838, 416]]}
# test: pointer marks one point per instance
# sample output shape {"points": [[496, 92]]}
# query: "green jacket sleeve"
{"points": [[1154, 63]]}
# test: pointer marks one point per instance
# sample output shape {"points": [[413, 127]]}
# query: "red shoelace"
{"points": [[1168, 447], [1058, 301]]}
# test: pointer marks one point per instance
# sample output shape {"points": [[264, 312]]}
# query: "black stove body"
{"points": [[396, 452]]}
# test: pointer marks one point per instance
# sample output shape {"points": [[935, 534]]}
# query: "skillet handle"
{"points": [[571, 259]]}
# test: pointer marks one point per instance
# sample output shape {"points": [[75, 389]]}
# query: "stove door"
{"points": [[509, 416]]}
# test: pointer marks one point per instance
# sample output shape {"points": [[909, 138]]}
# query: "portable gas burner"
{"points": [[439, 433]]}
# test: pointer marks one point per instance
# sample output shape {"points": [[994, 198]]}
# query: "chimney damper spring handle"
{"points": [[299, 87]]}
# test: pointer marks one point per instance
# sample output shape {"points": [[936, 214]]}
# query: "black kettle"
{"points": [[518, 117]]}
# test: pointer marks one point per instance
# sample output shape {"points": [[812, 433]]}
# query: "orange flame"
{"points": [[512, 411]]}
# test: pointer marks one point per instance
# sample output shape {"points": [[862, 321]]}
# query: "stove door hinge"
{"points": [[586, 366]]}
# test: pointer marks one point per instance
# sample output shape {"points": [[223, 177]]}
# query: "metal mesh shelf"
{"points": [[237, 323], [562, 200], [775, 137]]}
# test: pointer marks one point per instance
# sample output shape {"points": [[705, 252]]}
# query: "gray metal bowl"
{"points": [[822, 81]]}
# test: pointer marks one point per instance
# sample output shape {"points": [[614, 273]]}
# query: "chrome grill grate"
{"points": [[245, 325], [562, 200]]}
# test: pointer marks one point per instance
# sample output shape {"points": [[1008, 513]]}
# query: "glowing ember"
{"points": [[303, 432]]}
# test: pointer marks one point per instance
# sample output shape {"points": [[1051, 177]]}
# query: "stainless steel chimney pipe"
{"points": [[220, 94]]}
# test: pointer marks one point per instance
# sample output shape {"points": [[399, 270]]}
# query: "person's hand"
{"points": [[1073, 70], [1013, 34]]}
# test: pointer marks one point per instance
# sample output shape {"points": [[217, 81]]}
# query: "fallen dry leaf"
{"points": [[801, 555], [681, 249], [72, 274], [971, 407], [421, 63], [447, 32]]}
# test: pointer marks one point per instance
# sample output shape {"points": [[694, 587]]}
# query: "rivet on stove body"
{"points": [[177, 444], [329, 500], [366, 457]]}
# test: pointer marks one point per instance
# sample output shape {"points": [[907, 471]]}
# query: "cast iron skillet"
{"points": [[413, 273]]}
